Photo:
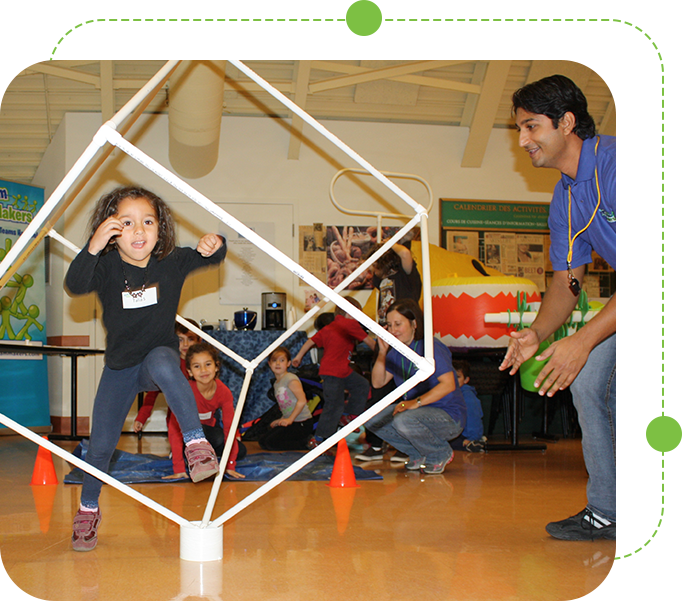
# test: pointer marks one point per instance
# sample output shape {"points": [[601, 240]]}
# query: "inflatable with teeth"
{"points": [[463, 291], [460, 306]]}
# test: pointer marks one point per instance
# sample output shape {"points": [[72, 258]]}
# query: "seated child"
{"points": [[187, 338], [338, 340], [292, 431], [203, 366], [471, 439]]}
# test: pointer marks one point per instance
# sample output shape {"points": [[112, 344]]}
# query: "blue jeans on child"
{"points": [[422, 432], [160, 370], [333, 389], [594, 397]]}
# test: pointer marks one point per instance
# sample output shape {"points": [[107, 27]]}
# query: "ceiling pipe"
{"points": [[195, 110]]}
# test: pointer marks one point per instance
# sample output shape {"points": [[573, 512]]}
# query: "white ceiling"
{"points": [[473, 94]]}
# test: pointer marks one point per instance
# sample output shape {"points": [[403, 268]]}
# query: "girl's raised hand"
{"points": [[108, 229], [208, 244]]}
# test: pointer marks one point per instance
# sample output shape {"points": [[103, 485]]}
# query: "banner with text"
{"points": [[494, 215], [24, 392]]}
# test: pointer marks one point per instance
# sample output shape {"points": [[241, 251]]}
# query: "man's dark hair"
{"points": [[554, 96]]}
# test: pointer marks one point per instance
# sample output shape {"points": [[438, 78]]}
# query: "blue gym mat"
{"points": [[143, 468]]}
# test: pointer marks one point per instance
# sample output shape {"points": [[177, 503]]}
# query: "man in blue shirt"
{"points": [[557, 131]]}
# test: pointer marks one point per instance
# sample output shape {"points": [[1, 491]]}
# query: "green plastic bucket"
{"points": [[530, 369]]}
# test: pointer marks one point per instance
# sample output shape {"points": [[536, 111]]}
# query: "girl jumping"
{"points": [[131, 261]]}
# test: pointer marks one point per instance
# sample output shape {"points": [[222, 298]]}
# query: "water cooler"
{"points": [[274, 306]]}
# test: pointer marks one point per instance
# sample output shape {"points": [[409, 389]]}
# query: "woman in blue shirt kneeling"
{"points": [[430, 414]]}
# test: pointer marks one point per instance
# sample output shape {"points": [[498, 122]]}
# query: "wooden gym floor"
{"points": [[473, 533]]}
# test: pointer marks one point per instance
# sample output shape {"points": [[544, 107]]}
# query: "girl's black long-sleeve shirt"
{"points": [[133, 333]]}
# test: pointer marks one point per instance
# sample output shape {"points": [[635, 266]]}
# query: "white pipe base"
{"points": [[201, 544]]}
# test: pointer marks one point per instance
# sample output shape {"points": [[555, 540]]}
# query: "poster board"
{"points": [[24, 391], [512, 237]]}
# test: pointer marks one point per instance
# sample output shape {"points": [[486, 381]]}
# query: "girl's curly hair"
{"points": [[108, 205]]}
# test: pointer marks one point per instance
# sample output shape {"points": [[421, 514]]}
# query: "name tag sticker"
{"points": [[136, 299]]}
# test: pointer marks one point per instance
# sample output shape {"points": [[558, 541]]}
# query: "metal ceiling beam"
{"points": [[286, 87], [106, 70], [472, 99], [301, 80], [357, 75], [418, 80], [486, 111], [71, 74]]}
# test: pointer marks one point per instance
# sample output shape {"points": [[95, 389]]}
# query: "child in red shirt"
{"points": [[203, 366], [338, 339]]}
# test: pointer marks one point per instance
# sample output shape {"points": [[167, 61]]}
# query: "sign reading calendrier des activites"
{"points": [[494, 215]]}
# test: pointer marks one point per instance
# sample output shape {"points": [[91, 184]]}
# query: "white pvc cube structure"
{"points": [[104, 141]]}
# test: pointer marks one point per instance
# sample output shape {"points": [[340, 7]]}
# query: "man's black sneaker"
{"points": [[582, 526]]}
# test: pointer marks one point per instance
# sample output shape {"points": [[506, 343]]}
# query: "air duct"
{"points": [[195, 109]]}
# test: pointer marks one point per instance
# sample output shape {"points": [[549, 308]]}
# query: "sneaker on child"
{"points": [[313, 442], [346, 419], [475, 446], [316, 441], [371, 454], [202, 460], [399, 457], [85, 524]]}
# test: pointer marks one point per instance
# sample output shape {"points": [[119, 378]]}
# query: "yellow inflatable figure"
{"points": [[444, 264], [463, 290]]}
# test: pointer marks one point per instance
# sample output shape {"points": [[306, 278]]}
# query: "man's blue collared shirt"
{"points": [[600, 236]]}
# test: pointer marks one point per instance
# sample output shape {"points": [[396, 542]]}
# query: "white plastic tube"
{"points": [[529, 317], [106, 478], [229, 441]]}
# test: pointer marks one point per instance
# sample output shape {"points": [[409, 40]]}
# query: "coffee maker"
{"points": [[274, 306]]}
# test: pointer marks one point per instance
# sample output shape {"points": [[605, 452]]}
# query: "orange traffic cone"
{"points": [[343, 475], [43, 470]]}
